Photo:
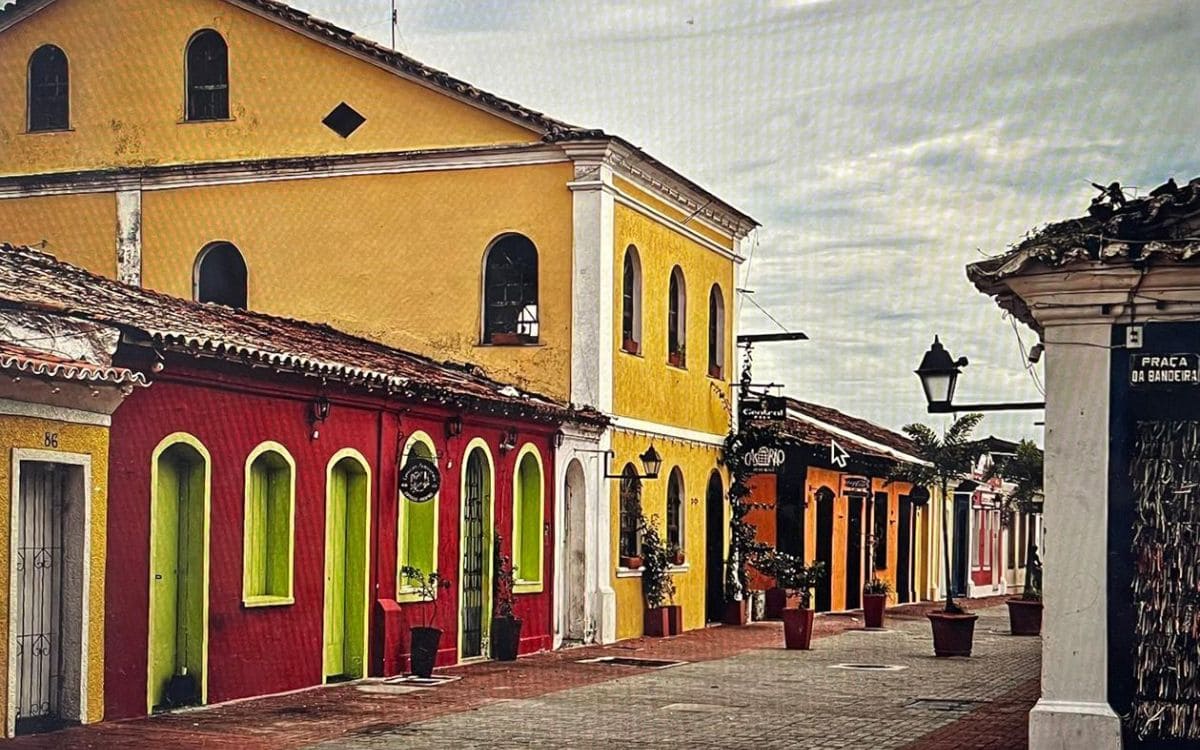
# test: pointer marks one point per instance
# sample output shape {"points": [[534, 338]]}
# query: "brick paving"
{"points": [[739, 689]]}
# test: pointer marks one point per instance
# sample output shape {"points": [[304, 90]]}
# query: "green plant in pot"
{"points": [[798, 580], [424, 640], [777, 597], [875, 596], [946, 458], [506, 626], [662, 617], [1024, 471]]}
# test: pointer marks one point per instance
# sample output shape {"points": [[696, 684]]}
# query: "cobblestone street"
{"points": [[739, 689]]}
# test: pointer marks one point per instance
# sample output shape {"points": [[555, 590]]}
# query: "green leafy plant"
{"points": [[1024, 470], [505, 582], [877, 587], [657, 586], [790, 573], [427, 587], [945, 458]]}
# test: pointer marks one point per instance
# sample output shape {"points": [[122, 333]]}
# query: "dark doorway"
{"points": [[962, 545], [789, 509], [714, 521], [825, 547], [854, 531], [904, 592], [474, 553]]}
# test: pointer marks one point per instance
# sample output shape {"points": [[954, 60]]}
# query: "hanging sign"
{"points": [[1164, 370], [764, 460], [768, 409], [420, 479], [857, 486]]}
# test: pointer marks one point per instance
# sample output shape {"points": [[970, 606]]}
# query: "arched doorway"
{"points": [[475, 573], [574, 558], [347, 532], [824, 552], [177, 668], [714, 550]]}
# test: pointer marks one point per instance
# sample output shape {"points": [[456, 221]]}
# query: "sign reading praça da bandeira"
{"points": [[1164, 370]]}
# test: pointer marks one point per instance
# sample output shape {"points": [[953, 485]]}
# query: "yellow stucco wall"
{"points": [[30, 433], [674, 211], [397, 258], [127, 99], [696, 462], [645, 386], [82, 228]]}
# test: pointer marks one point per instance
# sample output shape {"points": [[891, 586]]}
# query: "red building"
{"points": [[256, 529]]}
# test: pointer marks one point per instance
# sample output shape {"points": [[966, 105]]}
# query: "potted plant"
{"points": [[678, 356], [875, 596], [798, 580], [714, 371], [506, 339], [737, 610], [661, 617], [633, 562], [945, 458], [631, 345], [424, 641], [506, 627], [776, 598], [1024, 470], [676, 555]]}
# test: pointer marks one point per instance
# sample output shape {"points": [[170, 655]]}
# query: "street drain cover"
{"points": [[945, 704], [633, 661], [414, 680], [869, 667]]}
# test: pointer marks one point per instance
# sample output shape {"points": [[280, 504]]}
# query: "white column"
{"points": [[129, 235], [1073, 711]]}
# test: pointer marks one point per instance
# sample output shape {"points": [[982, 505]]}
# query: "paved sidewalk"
{"points": [[552, 700]]}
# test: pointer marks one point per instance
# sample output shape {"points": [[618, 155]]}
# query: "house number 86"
{"points": [[50, 440]]}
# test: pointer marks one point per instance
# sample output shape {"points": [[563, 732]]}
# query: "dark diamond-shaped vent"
{"points": [[344, 120]]}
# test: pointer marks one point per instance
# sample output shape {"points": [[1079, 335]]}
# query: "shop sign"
{"points": [[855, 485], [770, 409], [420, 479], [764, 460], [1164, 370]]}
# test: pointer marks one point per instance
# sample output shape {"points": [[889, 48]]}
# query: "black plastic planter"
{"points": [[506, 638], [423, 650]]}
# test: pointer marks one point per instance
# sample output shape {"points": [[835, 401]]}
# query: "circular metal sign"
{"points": [[419, 479]]}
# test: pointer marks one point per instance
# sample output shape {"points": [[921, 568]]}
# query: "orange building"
{"points": [[831, 501]]}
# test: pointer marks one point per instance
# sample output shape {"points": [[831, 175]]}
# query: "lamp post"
{"points": [[651, 463], [939, 374]]}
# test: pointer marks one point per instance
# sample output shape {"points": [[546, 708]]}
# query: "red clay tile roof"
{"points": [[24, 360], [868, 430], [34, 280], [815, 436]]}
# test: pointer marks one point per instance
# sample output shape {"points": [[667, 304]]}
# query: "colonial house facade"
{"points": [[258, 530], [277, 162]]}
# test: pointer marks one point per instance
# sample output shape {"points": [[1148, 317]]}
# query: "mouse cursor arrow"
{"points": [[837, 454]]}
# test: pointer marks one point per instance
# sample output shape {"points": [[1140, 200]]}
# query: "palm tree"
{"points": [[945, 458], [1024, 470]]}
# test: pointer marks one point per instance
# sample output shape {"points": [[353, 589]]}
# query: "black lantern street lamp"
{"points": [[651, 463], [939, 374]]}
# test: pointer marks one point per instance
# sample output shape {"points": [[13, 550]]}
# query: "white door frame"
{"points": [[84, 461]]}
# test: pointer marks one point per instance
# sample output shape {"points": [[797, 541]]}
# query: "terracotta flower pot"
{"points": [[506, 339], [737, 613], [423, 648], [676, 359], [658, 622], [506, 638], [797, 628], [631, 346], [633, 563], [1025, 616], [714, 371], [873, 605], [777, 600], [953, 633]]}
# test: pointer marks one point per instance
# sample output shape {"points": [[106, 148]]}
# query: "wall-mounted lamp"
{"points": [[559, 438], [651, 465], [454, 426], [508, 440], [318, 413], [939, 374]]}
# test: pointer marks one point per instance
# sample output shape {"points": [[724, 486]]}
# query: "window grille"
{"points": [[49, 90], [631, 511], [510, 304], [207, 77], [675, 510]]}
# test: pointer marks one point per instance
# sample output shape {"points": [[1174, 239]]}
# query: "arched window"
{"points": [[675, 508], [417, 523], [528, 504], [49, 90], [677, 320], [510, 292], [220, 276], [207, 77], [631, 302], [631, 512], [269, 525], [716, 333]]}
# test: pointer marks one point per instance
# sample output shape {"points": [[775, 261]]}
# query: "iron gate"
{"points": [[472, 583], [39, 574]]}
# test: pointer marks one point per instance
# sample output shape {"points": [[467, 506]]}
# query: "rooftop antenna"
{"points": [[395, 23]]}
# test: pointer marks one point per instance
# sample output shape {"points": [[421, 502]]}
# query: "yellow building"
{"points": [[54, 417], [240, 151]]}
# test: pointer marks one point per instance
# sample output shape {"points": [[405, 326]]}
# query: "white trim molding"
{"points": [[12, 408], [129, 236], [656, 429]]}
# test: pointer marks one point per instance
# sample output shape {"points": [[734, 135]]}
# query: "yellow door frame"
{"points": [[366, 550], [488, 540], [170, 441]]}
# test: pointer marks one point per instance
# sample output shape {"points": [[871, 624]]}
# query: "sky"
{"points": [[883, 145]]}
